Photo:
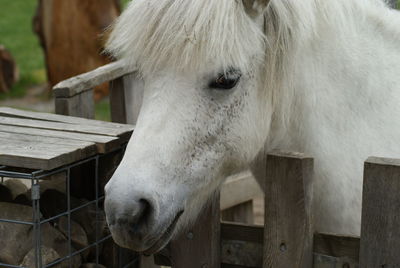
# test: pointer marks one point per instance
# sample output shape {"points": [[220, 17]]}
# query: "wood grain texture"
{"points": [[87, 81], [337, 246], [200, 246], [380, 229], [16, 113], [77, 128], [81, 105], [36, 152], [240, 213], [288, 199], [242, 246], [47, 141], [323, 261], [238, 189], [117, 101], [103, 143]]}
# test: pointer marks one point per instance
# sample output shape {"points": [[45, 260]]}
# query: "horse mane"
{"points": [[185, 35], [191, 34]]}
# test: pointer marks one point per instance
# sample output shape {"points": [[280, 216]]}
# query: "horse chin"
{"points": [[165, 237]]}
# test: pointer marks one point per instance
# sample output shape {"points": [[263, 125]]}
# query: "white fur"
{"points": [[320, 77]]}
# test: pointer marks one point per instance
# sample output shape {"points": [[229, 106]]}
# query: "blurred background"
{"points": [[43, 42]]}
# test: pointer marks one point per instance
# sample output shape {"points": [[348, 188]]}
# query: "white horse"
{"points": [[227, 80]]}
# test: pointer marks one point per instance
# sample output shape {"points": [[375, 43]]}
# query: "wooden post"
{"points": [[240, 213], [80, 105], [288, 231], [117, 101], [200, 246], [380, 229]]}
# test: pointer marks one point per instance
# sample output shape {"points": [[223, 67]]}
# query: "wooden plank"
{"points": [[323, 261], [200, 246], [240, 213], [242, 246], [35, 152], [11, 112], [288, 198], [104, 144], [84, 82], [380, 229], [242, 232], [337, 246], [238, 189], [78, 128], [117, 101], [240, 253], [81, 105]]}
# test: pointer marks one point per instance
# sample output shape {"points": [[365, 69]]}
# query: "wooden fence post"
{"points": [[240, 213], [380, 229], [288, 235], [79, 105], [117, 101], [200, 247]]}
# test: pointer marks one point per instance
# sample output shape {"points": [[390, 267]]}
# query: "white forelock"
{"points": [[186, 35]]}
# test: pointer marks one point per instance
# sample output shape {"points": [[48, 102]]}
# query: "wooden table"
{"points": [[48, 141]]}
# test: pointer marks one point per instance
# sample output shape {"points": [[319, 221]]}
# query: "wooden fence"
{"points": [[287, 239]]}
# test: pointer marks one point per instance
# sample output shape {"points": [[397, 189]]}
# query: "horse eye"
{"points": [[226, 81]]}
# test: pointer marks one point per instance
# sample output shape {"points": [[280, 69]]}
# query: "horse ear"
{"points": [[255, 8]]}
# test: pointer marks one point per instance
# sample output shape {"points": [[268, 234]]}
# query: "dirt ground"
{"points": [[36, 99]]}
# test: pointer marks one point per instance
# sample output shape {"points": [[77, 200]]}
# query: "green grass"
{"points": [[17, 36], [102, 110]]}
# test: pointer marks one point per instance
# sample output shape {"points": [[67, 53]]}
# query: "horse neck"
{"points": [[335, 67]]}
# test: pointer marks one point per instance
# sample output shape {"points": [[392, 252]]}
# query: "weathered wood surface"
{"points": [[77, 128], [240, 213], [104, 144], [84, 82], [117, 101], [200, 246], [323, 261], [81, 105], [11, 112], [288, 220], [242, 246], [71, 36], [337, 246], [249, 188], [380, 229], [36, 152], [45, 141]]}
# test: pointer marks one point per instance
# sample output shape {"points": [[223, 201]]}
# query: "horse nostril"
{"points": [[146, 210], [140, 216]]}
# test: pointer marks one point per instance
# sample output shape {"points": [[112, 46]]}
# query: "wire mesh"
{"points": [[122, 258]]}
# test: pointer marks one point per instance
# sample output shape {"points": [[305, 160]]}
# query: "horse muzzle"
{"points": [[137, 225]]}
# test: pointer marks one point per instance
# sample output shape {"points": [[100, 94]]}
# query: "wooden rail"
{"points": [[74, 96]]}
